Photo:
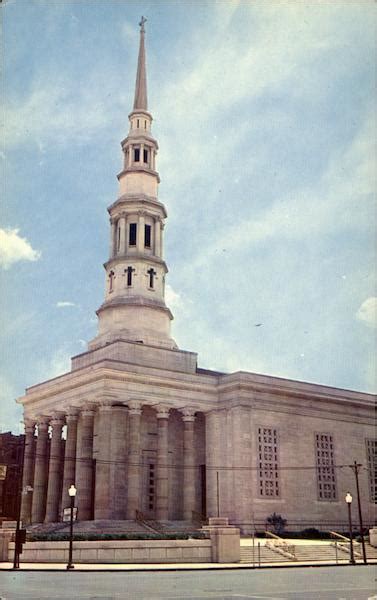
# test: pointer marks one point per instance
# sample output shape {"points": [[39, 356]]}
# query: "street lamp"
{"points": [[72, 493], [349, 502]]}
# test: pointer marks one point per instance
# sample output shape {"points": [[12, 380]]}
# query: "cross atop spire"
{"points": [[143, 20], [141, 101]]}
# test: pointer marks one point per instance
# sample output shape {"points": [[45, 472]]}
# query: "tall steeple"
{"points": [[134, 308], [141, 101]]}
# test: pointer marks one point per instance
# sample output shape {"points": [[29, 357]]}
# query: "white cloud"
{"points": [[14, 248], [367, 312], [173, 299], [64, 303]]}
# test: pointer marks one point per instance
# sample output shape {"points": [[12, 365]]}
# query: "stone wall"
{"points": [[118, 551]]}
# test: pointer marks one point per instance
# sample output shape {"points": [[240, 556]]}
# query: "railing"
{"points": [[279, 545], [345, 544], [150, 524]]}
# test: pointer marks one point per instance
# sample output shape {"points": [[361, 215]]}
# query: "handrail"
{"points": [[344, 538], [279, 545], [148, 523], [345, 543]]}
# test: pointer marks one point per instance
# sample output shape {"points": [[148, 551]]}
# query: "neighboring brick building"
{"points": [[11, 449], [148, 430]]}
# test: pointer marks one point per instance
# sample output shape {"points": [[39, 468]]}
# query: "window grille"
{"points": [[372, 469], [326, 481], [268, 463]]}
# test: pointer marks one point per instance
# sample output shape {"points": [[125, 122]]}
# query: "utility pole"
{"points": [[355, 468]]}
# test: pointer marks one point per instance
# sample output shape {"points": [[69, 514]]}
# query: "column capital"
{"points": [[188, 414], [87, 411], [43, 423], [162, 411], [56, 419], [72, 413], [134, 407], [105, 406], [29, 424]]}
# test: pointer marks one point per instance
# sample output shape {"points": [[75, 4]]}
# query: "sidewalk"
{"points": [[6, 566]]}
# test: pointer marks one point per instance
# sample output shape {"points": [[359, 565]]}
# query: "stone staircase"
{"points": [[117, 526], [307, 553], [248, 554], [99, 526]]}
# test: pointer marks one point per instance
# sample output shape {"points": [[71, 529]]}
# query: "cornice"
{"points": [[143, 199], [132, 257], [139, 301], [139, 169], [287, 388]]}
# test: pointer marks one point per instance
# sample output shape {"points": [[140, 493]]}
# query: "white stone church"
{"points": [[140, 428]]}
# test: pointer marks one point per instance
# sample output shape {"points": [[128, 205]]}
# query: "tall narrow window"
{"points": [[138, 123], [152, 273], [326, 482], [118, 238], [129, 272], [137, 154], [372, 469], [133, 233], [268, 463], [111, 281], [145, 155], [147, 236], [151, 486]]}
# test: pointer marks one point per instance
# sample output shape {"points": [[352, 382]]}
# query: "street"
{"points": [[324, 583]]}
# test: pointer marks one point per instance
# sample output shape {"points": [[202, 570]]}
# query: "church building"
{"points": [[140, 428]]}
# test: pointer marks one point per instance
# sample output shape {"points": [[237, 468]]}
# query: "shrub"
{"points": [[277, 522], [92, 536]]}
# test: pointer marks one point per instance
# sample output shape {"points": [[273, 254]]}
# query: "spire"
{"points": [[141, 102]]}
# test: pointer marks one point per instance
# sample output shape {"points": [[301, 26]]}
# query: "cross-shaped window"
{"points": [[151, 272], [129, 272], [111, 281]]}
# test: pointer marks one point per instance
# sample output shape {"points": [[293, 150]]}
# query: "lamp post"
{"points": [[72, 493], [348, 500]]}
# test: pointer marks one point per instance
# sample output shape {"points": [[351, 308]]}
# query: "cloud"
{"points": [[367, 312], [14, 248], [173, 299], [64, 303]]}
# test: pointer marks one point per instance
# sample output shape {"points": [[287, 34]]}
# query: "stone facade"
{"points": [[138, 426]]}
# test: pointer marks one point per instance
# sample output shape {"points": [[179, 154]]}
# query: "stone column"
{"points": [[69, 472], [162, 471], [103, 492], [140, 232], [113, 238], [28, 472], [134, 459], [38, 507], [162, 226], [241, 493], [122, 248], [189, 467], [54, 471], [213, 435], [157, 237], [118, 479], [84, 465]]}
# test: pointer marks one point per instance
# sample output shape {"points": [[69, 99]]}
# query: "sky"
{"points": [[265, 117]]}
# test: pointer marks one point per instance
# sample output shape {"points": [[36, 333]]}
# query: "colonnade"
{"points": [[110, 479]]}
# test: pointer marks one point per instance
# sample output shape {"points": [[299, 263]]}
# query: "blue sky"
{"points": [[264, 113]]}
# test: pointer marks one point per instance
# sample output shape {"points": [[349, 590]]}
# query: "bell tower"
{"points": [[134, 308]]}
